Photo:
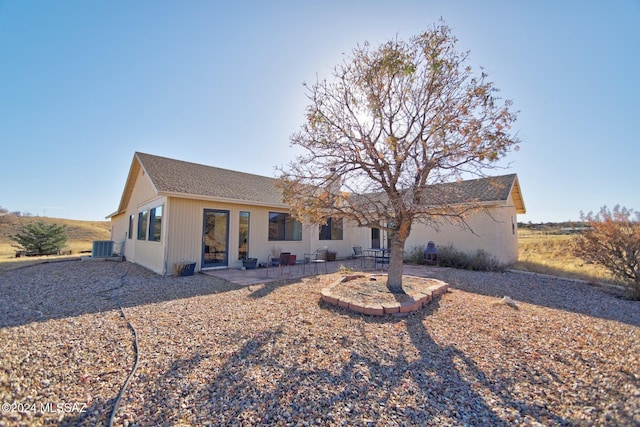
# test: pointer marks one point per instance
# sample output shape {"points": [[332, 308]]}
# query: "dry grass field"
{"points": [[81, 235], [547, 253]]}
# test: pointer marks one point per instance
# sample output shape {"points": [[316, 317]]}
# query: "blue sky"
{"points": [[83, 85]]}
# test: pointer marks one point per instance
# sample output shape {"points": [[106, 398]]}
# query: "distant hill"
{"points": [[80, 233]]}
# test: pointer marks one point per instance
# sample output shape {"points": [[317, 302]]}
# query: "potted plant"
{"points": [[275, 256], [184, 268], [249, 263]]}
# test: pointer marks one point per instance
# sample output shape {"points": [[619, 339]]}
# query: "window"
{"points": [[243, 238], [131, 219], [142, 225], [282, 226], [155, 223], [332, 230]]}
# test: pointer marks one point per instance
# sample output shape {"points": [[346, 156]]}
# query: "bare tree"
{"points": [[612, 240], [396, 119]]}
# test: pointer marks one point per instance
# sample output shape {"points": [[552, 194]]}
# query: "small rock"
{"points": [[508, 301]]}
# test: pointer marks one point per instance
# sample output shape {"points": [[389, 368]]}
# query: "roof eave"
{"points": [[516, 195], [116, 213]]}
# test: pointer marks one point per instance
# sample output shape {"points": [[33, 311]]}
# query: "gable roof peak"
{"points": [[193, 180]]}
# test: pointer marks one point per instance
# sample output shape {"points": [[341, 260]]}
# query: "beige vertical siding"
{"points": [[185, 232], [493, 234], [145, 253], [149, 253], [119, 229], [182, 226], [352, 235]]}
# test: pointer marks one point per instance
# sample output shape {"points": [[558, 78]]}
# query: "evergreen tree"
{"points": [[40, 238]]}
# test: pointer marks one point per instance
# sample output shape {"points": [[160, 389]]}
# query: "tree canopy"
{"points": [[612, 240], [394, 120], [40, 238]]}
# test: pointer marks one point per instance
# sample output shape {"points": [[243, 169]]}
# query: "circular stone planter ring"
{"points": [[368, 294]]}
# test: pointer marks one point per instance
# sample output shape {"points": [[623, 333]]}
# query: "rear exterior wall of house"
{"points": [[494, 231]]}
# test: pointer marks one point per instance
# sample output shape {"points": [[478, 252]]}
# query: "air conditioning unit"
{"points": [[102, 249]]}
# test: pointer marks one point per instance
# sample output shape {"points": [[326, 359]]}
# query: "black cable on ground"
{"points": [[135, 364], [133, 370]]}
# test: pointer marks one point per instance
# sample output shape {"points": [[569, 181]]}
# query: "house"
{"points": [[173, 212]]}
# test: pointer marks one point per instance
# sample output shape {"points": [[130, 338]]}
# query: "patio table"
{"points": [[378, 255]]}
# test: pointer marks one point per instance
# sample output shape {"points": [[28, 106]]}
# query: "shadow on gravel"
{"points": [[547, 292], [452, 366], [59, 290], [265, 289], [259, 385], [96, 414]]}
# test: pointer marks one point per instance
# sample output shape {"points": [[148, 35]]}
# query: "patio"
{"points": [[274, 274]]}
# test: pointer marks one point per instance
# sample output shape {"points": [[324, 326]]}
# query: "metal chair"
{"points": [[285, 257], [382, 258], [284, 260], [358, 254], [318, 257]]}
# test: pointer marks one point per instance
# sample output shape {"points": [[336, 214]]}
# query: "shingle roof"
{"points": [[481, 190], [474, 191], [171, 176], [193, 180], [491, 189]]}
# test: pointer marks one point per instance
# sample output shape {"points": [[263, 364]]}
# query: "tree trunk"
{"points": [[396, 260]]}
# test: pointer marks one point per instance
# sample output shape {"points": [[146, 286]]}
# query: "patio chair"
{"points": [[293, 262], [285, 258], [315, 258], [358, 254], [382, 258]]}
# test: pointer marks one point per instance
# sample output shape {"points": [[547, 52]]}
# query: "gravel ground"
{"points": [[212, 353]]}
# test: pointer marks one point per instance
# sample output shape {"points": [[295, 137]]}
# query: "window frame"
{"points": [[243, 227], [143, 223], [132, 219], [332, 230], [287, 228], [155, 224]]}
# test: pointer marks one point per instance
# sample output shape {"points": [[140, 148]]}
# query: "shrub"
{"points": [[478, 261], [612, 240], [415, 256], [344, 269], [448, 256], [40, 238]]}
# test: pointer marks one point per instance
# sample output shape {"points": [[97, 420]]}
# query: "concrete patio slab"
{"points": [[274, 274]]}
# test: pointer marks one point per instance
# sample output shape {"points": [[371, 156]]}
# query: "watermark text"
{"points": [[44, 407]]}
